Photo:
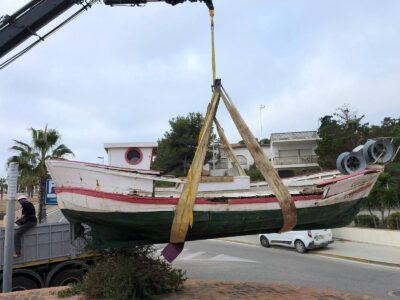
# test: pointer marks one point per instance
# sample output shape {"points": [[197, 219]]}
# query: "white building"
{"points": [[131, 155], [294, 150], [288, 152]]}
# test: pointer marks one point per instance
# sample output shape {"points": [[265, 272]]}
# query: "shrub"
{"points": [[255, 174], [131, 273], [72, 290], [393, 221], [366, 221]]}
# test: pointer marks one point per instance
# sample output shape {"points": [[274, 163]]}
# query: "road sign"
{"points": [[50, 195]]}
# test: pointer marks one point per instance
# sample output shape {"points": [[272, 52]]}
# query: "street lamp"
{"points": [[101, 158], [261, 128]]}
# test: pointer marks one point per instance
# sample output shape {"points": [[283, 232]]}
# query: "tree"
{"points": [[176, 149], [385, 195], [343, 131], [338, 133], [45, 144], [26, 160], [3, 186], [265, 141]]}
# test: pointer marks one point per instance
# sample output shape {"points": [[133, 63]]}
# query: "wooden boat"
{"points": [[123, 204]]}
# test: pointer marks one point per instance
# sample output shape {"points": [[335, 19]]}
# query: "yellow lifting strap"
{"points": [[213, 58], [226, 146], [261, 160], [183, 217]]}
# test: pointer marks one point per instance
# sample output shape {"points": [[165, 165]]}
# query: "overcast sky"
{"points": [[118, 74]]}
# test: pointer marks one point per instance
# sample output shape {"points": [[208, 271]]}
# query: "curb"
{"points": [[339, 256], [358, 259]]}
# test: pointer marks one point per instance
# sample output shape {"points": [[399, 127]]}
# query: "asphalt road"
{"points": [[222, 260]]}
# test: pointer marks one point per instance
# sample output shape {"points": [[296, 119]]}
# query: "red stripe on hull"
{"points": [[174, 201]]}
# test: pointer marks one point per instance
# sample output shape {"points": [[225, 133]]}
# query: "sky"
{"points": [[118, 74]]}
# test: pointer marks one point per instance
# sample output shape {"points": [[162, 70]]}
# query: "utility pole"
{"points": [[12, 181], [261, 127]]}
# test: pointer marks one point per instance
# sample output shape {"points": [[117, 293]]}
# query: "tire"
{"points": [[264, 242], [67, 276], [21, 283], [300, 247]]}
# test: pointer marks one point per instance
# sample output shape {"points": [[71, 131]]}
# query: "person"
{"points": [[27, 221]]}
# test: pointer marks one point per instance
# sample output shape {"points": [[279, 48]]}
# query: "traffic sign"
{"points": [[50, 195]]}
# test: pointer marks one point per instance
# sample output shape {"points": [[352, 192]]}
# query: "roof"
{"points": [[131, 145], [240, 145], [289, 136]]}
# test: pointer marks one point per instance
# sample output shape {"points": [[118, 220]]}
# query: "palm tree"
{"points": [[45, 144], [3, 186], [27, 161]]}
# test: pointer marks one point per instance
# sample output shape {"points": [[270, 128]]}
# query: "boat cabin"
{"points": [[138, 155]]}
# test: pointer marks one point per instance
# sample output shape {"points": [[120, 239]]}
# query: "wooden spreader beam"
{"points": [[226, 146], [184, 210]]}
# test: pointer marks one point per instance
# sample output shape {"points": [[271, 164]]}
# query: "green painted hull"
{"points": [[154, 227]]}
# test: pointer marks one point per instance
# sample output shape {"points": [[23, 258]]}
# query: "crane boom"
{"points": [[24, 23], [30, 18]]}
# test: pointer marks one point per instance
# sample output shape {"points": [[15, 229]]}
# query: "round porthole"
{"points": [[133, 156]]}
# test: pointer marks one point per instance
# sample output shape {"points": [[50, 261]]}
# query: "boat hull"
{"points": [[102, 198], [154, 227]]}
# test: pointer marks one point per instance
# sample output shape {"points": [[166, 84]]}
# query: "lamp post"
{"points": [[101, 158], [12, 181], [261, 128]]}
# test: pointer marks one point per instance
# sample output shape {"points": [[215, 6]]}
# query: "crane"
{"points": [[29, 19]]}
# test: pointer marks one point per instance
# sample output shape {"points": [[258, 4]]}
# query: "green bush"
{"points": [[72, 290], [393, 221], [366, 221], [131, 273], [254, 173]]}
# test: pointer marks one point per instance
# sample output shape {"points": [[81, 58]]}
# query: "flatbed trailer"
{"points": [[49, 258]]}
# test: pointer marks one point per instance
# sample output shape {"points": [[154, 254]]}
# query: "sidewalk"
{"points": [[362, 252], [212, 289]]}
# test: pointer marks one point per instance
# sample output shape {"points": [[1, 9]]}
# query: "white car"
{"points": [[300, 240]]}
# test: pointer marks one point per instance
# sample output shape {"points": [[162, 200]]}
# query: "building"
{"points": [[289, 152], [131, 155]]}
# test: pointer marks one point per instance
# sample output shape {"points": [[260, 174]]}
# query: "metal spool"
{"points": [[378, 151], [351, 162]]}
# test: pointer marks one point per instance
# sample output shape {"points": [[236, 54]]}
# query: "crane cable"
{"points": [[213, 58]]}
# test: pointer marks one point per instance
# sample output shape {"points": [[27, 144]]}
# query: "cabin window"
{"points": [[133, 156]]}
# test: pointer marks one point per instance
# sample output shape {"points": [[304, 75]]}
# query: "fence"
{"points": [[296, 160]]}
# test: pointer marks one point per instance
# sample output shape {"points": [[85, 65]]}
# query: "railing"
{"points": [[296, 160]]}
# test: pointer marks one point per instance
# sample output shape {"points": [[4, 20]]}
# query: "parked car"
{"points": [[300, 240]]}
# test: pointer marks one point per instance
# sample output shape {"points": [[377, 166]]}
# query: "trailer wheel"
{"points": [[67, 276], [23, 283]]}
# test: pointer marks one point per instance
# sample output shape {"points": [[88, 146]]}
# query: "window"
{"points": [[133, 156]]}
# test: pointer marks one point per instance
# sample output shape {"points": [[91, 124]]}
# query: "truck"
{"points": [[51, 256]]}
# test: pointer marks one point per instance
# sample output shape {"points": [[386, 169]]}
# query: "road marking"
{"points": [[223, 240], [192, 256], [358, 261], [224, 257], [53, 211]]}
